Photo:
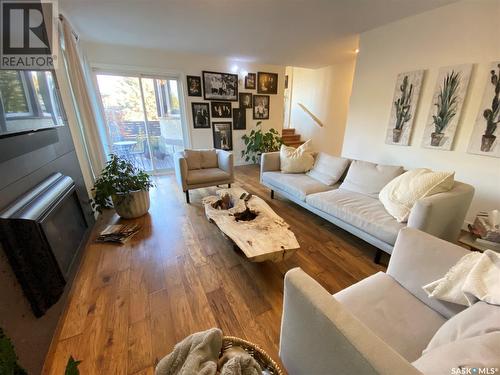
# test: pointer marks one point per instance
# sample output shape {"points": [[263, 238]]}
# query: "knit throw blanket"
{"points": [[198, 355], [475, 277]]}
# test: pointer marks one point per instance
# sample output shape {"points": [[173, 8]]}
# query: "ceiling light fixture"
{"points": [[356, 50]]}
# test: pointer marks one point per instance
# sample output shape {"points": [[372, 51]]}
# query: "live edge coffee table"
{"points": [[251, 224]]}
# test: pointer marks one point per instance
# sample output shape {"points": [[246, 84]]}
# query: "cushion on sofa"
{"points": [[296, 160], [207, 175], [476, 320], [193, 159], [297, 185], [359, 210], [392, 313], [209, 159], [369, 178], [328, 169], [478, 352], [401, 194]]}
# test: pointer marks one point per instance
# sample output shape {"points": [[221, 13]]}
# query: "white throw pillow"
{"points": [[328, 169], [401, 194], [476, 320], [369, 178], [296, 160], [475, 352]]}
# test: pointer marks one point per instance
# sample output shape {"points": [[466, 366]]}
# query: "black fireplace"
{"points": [[41, 234]]}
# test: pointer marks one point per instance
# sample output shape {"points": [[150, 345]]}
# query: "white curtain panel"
{"points": [[84, 97]]}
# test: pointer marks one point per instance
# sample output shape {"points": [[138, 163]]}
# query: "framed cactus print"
{"points": [[403, 107], [444, 114], [484, 137]]}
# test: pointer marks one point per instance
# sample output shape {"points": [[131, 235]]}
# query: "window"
{"points": [[29, 100]]}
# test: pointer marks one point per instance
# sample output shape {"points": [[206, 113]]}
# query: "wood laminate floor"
{"points": [[130, 304]]}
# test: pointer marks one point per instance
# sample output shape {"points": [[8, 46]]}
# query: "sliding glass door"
{"points": [[144, 118]]}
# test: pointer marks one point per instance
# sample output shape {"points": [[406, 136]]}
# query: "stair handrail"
{"points": [[315, 119]]}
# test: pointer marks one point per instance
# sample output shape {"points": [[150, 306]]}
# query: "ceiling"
{"points": [[309, 33]]}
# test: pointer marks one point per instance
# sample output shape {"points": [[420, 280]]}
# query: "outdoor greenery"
{"points": [[403, 104], [258, 142], [119, 176], [447, 101], [492, 116], [12, 92]]}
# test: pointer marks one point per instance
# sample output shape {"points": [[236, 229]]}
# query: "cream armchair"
{"points": [[201, 168]]}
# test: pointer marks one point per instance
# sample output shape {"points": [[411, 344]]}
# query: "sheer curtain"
{"points": [[84, 97]]}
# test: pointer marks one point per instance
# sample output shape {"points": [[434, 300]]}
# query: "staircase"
{"points": [[290, 138]]}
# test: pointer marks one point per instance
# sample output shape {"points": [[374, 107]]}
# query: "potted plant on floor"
{"points": [[446, 104], [403, 107], [492, 116], [258, 142], [123, 186]]}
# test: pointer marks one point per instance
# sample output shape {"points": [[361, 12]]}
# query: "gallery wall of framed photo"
{"points": [[230, 104]]}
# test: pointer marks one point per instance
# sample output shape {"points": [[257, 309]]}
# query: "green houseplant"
{"points": [[8, 359], [492, 115], [258, 142], [122, 186], [403, 107], [446, 105]]}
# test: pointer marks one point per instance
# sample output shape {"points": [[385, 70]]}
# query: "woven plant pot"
{"points": [[262, 358]]}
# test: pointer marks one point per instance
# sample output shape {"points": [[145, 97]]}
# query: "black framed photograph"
{"points": [[221, 109], [239, 119], [267, 83], [261, 107], [245, 100], [250, 81], [201, 115], [220, 86], [223, 136], [194, 85]]}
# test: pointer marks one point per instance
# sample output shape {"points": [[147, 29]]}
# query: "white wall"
{"points": [[158, 61], [464, 32], [325, 92]]}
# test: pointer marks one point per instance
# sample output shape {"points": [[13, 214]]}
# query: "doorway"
{"points": [[144, 118]]}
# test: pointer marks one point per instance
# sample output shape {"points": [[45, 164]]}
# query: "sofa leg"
{"points": [[272, 194], [378, 255], [229, 186], [187, 197]]}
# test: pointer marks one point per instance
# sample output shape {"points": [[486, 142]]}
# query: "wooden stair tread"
{"points": [[290, 138]]}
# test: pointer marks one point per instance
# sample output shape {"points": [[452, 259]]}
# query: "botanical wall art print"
{"points": [[404, 105], [447, 101], [484, 137]]}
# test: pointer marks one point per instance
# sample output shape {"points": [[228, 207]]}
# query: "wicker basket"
{"points": [[262, 358]]}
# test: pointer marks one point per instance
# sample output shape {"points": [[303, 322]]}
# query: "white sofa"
{"points": [[441, 215], [381, 324]]}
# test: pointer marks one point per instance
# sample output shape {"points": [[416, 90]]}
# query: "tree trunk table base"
{"points": [[251, 224]]}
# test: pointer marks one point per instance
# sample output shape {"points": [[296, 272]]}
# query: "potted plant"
{"points": [[10, 366], [258, 142], [492, 115], [403, 106], [446, 106], [122, 186]]}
